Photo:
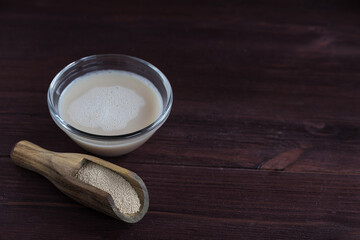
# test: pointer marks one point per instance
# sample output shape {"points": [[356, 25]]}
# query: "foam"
{"points": [[109, 108]]}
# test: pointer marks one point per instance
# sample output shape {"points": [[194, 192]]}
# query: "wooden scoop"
{"points": [[61, 168]]}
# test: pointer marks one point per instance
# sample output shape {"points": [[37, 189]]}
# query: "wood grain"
{"points": [[227, 202], [263, 138]]}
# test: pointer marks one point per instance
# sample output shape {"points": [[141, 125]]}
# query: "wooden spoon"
{"points": [[61, 168]]}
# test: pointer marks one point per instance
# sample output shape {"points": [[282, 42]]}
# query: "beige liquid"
{"points": [[110, 102]]}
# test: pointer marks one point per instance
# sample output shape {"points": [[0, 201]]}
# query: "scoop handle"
{"points": [[32, 157], [50, 164]]}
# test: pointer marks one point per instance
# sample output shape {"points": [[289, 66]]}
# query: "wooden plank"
{"points": [[205, 139], [272, 86], [199, 141], [213, 202]]}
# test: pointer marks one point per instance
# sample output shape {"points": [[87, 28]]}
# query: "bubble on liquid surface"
{"points": [[108, 108]]}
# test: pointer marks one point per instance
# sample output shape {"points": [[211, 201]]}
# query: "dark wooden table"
{"points": [[263, 141]]}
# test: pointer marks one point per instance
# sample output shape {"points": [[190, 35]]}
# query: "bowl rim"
{"points": [[66, 127]]}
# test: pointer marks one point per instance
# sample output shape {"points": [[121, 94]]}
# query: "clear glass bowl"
{"points": [[109, 145]]}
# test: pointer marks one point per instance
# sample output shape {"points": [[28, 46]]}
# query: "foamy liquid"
{"points": [[110, 102]]}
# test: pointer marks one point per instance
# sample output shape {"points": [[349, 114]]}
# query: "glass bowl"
{"points": [[105, 145]]}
